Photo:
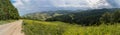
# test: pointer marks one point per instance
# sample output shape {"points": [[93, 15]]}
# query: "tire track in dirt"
{"points": [[13, 28]]}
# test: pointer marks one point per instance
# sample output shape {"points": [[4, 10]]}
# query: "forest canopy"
{"points": [[88, 17]]}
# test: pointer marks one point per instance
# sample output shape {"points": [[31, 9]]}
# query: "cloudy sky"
{"points": [[29, 6]]}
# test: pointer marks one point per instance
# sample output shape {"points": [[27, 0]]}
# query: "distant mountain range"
{"points": [[80, 17], [51, 14], [30, 6]]}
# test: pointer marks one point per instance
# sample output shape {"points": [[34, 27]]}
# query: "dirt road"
{"points": [[13, 28]]}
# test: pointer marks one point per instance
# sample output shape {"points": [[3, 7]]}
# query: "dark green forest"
{"points": [[7, 10], [90, 17], [42, 16], [85, 18]]}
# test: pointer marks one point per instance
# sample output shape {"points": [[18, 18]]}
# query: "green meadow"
{"points": [[5, 21], [63, 22], [33, 27]]}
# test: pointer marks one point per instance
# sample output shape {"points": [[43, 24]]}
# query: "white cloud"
{"points": [[28, 6]]}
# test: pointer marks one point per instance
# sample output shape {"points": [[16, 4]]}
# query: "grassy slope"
{"points": [[31, 27], [5, 21]]}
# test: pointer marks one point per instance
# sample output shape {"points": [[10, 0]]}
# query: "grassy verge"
{"points": [[5, 21], [31, 27]]}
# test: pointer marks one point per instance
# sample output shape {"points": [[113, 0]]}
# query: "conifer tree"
{"points": [[7, 10]]}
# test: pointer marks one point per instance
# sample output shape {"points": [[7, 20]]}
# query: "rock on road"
{"points": [[14, 28]]}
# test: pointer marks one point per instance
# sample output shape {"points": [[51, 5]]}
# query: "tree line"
{"points": [[85, 18], [7, 10], [90, 17]]}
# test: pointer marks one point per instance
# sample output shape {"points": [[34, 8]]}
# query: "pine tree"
{"points": [[7, 10], [106, 18], [116, 16]]}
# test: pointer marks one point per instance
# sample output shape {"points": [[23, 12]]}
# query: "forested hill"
{"points": [[46, 14], [7, 10], [88, 17]]}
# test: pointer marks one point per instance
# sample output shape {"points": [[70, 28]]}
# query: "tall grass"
{"points": [[31, 27], [5, 21]]}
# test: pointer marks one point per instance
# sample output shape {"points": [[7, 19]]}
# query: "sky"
{"points": [[30, 6]]}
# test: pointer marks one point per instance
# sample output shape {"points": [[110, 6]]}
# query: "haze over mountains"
{"points": [[29, 6]]}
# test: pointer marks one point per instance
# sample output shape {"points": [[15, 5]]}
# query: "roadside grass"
{"points": [[32, 27], [5, 21]]}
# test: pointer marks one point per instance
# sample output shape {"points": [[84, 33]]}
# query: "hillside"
{"points": [[89, 17], [46, 14], [7, 10], [32, 27]]}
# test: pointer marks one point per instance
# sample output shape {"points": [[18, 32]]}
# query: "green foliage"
{"points": [[31, 27], [111, 17], [42, 28], [7, 10], [5, 21], [45, 14], [106, 18], [116, 16], [85, 18]]}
